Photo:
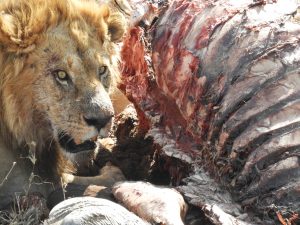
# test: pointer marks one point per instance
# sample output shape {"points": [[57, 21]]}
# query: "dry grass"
{"points": [[28, 208], [21, 216]]}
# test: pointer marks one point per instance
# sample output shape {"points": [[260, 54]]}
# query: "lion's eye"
{"points": [[104, 76], [102, 70], [61, 76]]}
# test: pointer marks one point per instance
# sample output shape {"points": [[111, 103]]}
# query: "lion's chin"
{"points": [[68, 144]]}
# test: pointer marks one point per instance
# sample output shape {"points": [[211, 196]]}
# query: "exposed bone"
{"points": [[155, 204]]}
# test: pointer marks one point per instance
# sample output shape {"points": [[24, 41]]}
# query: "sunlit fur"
{"points": [[37, 37]]}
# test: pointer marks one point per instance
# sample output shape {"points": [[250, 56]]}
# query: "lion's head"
{"points": [[58, 65]]}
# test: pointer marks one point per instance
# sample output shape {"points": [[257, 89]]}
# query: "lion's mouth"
{"points": [[67, 142]]}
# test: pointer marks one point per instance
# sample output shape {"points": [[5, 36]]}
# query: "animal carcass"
{"points": [[217, 83]]}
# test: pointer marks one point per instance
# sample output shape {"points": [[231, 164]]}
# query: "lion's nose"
{"points": [[99, 123]]}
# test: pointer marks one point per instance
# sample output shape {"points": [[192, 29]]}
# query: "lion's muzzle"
{"points": [[96, 118], [97, 108]]}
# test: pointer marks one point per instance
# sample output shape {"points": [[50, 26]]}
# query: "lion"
{"points": [[59, 66]]}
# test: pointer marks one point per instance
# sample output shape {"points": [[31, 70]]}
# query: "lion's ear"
{"points": [[116, 26], [116, 23]]}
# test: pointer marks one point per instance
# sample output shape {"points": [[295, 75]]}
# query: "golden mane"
{"points": [[23, 23]]}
